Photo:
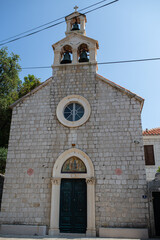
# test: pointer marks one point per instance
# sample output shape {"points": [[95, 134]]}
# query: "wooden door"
{"points": [[73, 206], [156, 207]]}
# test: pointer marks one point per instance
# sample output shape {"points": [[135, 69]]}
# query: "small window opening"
{"points": [[149, 155]]}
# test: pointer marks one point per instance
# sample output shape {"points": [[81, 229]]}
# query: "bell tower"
{"points": [[76, 22], [76, 48]]}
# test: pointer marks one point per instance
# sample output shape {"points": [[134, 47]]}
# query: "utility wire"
{"points": [[133, 60], [29, 34], [32, 29], [103, 63], [49, 22], [53, 25], [101, 6], [92, 5]]}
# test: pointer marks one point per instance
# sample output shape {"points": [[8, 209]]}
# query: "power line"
{"points": [[27, 35], [53, 25], [92, 5], [36, 67], [103, 63], [101, 6], [133, 60], [32, 29]]}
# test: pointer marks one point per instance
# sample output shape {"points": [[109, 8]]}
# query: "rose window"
{"points": [[73, 112]]}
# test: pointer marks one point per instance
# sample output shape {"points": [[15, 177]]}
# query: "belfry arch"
{"points": [[83, 53], [57, 175]]}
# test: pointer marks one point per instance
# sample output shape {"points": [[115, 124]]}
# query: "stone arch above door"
{"points": [[57, 175]]}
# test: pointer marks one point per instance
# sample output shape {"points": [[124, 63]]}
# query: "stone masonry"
{"points": [[37, 139]]}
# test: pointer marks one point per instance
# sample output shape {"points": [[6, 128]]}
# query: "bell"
{"points": [[83, 57], [66, 58], [75, 26]]}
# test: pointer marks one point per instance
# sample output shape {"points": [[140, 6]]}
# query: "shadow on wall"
{"points": [[1, 187]]}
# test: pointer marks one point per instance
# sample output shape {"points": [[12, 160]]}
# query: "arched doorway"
{"points": [[73, 178]]}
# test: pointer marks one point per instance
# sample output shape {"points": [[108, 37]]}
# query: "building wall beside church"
{"points": [[37, 139], [152, 169]]}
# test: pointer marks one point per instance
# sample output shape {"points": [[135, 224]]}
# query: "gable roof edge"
{"points": [[30, 93], [79, 14], [78, 34], [124, 90]]}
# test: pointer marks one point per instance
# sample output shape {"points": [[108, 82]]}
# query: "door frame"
{"points": [[55, 196]]}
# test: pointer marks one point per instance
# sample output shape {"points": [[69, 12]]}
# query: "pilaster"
{"points": [[55, 198], [91, 230]]}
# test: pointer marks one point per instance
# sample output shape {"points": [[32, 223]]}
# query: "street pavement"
{"points": [[21, 237]]}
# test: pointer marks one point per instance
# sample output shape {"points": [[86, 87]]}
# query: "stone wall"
{"points": [[1, 187], [119, 197], [37, 139], [155, 141], [26, 198]]}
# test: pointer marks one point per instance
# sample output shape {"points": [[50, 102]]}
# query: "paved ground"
{"points": [[20, 237]]}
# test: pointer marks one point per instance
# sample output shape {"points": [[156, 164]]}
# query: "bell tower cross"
{"points": [[76, 7]]}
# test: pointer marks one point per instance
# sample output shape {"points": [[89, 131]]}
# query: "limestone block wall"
{"points": [[1, 187], [26, 198], [155, 141], [37, 139], [119, 198]]}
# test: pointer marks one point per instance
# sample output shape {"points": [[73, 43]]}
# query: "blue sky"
{"points": [[127, 29]]}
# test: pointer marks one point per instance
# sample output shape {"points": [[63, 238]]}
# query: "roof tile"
{"points": [[153, 131]]}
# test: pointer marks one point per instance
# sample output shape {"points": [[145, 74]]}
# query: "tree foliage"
{"points": [[11, 88], [30, 82], [9, 78], [9, 83], [3, 157]]}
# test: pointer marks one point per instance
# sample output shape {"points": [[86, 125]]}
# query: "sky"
{"points": [[126, 29]]}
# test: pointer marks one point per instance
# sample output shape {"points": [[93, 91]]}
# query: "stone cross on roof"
{"points": [[76, 7]]}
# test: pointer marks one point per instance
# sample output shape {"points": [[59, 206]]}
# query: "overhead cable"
{"points": [[103, 63], [50, 22], [53, 25]]}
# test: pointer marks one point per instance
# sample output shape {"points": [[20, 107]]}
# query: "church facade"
{"points": [[75, 160]]}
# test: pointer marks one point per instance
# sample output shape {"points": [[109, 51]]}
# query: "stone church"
{"points": [[75, 160]]}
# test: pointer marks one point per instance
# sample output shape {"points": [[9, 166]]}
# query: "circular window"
{"points": [[73, 111]]}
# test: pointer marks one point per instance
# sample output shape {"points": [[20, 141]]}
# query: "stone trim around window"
{"points": [[73, 99]]}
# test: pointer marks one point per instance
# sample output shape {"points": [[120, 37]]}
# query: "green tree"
{"points": [[30, 82], [11, 88], [9, 84], [3, 157]]}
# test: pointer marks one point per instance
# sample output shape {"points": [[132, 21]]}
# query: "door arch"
{"points": [[56, 181]]}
